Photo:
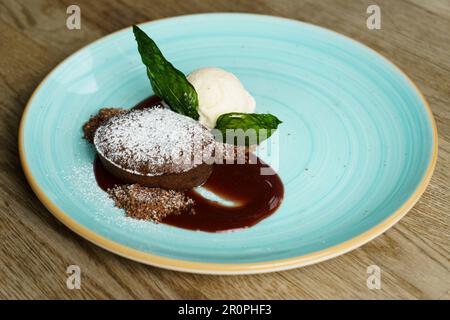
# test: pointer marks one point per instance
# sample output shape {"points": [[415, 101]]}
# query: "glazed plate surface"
{"points": [[357, 146]]}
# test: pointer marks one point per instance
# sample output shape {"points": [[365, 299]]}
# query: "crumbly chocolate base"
{"points": [[152, 204], [97, 120], [235, 154]]}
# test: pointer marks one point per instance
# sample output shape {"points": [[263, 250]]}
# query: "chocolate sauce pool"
{"points": [[254, 197]]}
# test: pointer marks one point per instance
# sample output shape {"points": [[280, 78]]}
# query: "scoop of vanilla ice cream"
{"points": [[219, 92]]}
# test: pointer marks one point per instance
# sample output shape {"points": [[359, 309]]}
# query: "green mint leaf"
{"points": [[262, 124], [168, 83]]}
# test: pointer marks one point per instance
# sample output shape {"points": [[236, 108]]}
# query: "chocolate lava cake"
{"points": [[155, 147]]}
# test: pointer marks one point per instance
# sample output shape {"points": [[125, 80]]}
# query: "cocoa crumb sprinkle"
{"points": [[97, 120], [152, 204]]}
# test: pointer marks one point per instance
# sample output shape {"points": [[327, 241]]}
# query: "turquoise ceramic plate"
{"points": [[357, 146]]}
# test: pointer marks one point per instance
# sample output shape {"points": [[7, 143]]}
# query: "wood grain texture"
{"points": [[36, 249]]}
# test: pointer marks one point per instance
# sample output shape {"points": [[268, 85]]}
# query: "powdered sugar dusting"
{"points": [[153, 141], [81, 179]]}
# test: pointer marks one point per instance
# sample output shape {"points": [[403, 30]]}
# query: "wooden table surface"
{"points": [[36, 249]]}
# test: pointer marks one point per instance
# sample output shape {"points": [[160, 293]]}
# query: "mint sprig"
{"points": [[168, 83], [262, 124]]}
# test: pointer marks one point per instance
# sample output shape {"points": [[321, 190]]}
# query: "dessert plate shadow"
{"points": [[357, 146]]}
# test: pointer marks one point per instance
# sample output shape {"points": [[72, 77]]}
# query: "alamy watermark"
{"points": [[374, 279], [236, 146], [73, 21], [373, 22], [74, 277]]}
